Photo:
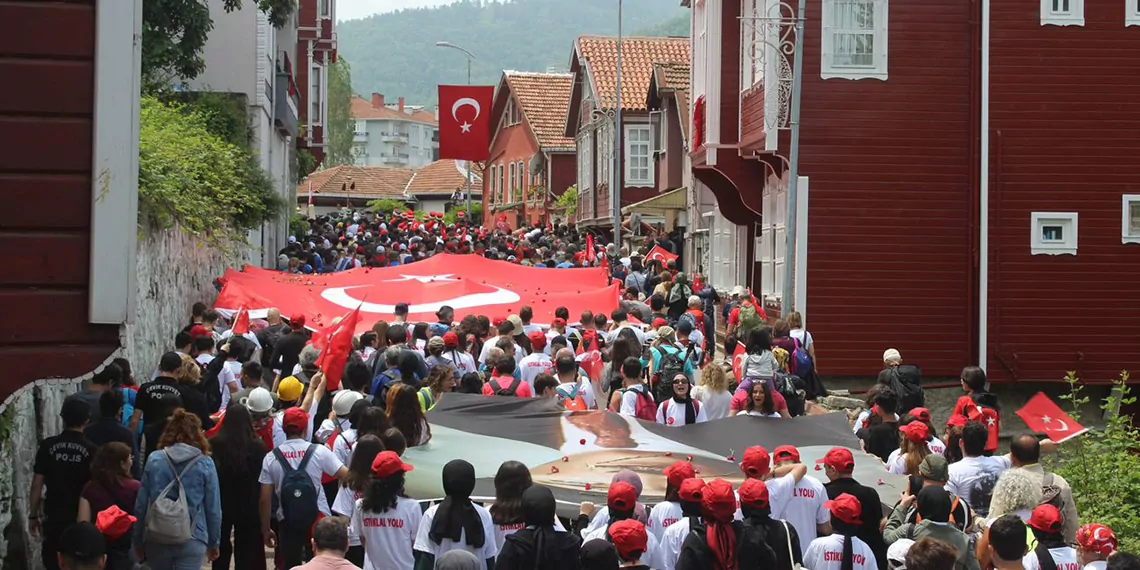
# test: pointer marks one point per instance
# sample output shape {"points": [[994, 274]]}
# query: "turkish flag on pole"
{"points": [[591, 255], [738, 362], [241, 322], [1042, 415], [465, 121], [335, 354], [659, 253]]}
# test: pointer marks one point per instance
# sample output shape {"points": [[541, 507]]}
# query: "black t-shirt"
{"points": [[287, 352], [872, 514], [881, 439], [64, 461], [151, 395], [105, 431]]}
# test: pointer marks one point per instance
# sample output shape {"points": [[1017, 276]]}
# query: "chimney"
{"points": [[400, 104], [377, 100]]}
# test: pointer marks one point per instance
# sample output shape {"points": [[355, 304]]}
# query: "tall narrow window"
{"points": [[638, 161], [522, 183], [511, 188], [1065, 12], [318, 96], [855, 39], [500, 195]]}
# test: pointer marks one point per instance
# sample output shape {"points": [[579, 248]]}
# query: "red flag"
{"points": [[659, 253], [465, 121], [241, 322], [1042, 415], [591, 362], [591, 255], [335, 355], [738, 356]]}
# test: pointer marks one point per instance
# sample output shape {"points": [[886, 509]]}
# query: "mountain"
{"points": [[679, 26], [395, 53]]}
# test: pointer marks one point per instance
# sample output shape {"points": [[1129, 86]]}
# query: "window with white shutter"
{"points": [[638, 161], [1131, 13], [1064, 12], [855, 39]]}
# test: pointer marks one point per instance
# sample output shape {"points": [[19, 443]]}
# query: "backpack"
{"points": [[646, 408], [380, 386], [298, 493], [426, 401], [129, 408], [672, 364], [573, 401], [688, 317], [211, 389], [509, 391], [168, 521], [801, 363], [790, 387], [749, 320], [1051, 494], [905, 381]]}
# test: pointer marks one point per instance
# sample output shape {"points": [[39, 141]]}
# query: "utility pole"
{"points": [[787, 300], [618, 174]]}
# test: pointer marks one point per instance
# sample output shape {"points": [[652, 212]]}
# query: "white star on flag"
{"points": [[465, 127], [990, 422], [1047, 419], [447, 277]]}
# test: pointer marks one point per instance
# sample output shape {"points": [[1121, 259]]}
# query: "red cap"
{"points": [[450, 339], [691, 490], [114, 522], [559, 322], [786, 453], [922, 414], [295, 418], [498, 321], [846, 508], [755, 462], [537, 340], [956, 421], [629, 536], [678, 472], [1046, 518], [840, 459], [297, 321], [754, 493], [1097, 538], [718, 501], [199, 331], [659, 322], [387, 464], [622, 497], [916, 432]]}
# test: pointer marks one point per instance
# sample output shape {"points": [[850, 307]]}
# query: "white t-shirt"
{"points": [[652, 556], [424, 544], [826, 553], [671, 542], [713, 404], [345, 505], [1065, 558], [629, 399], [671, 413], [759, 414], [804, 508], [585, 390], [1094, 565], [462, 361], [662, 516], [779, 493], [487, 346], [896, 462], [230, 374], [612, 336], [803, 336], [388, 536], [973, 479], [534, 364], [342, 446], [327, 428], [323, 462]]}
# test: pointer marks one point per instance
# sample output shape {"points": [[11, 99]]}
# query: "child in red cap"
{"points": [[668, 511], [804, 509], [712, 544], [1046, 524], [842, 550], [689, 495], [631, 541], [1095, 543], [770, 542]]}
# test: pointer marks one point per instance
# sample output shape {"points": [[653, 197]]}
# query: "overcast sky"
{"points": [[353, 9]]}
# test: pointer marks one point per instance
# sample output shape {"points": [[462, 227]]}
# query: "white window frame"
{"points": [[523, 175], [511, 187], [604, 160], [1126, 233], [1053, 13], [316, 97], [324, 8], [1131, 13], [585, 163], [829, 69], [1066, 246], [501, 180], [630, 180]]}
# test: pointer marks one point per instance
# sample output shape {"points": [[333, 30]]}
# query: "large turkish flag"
{"points": [[465, 121], [470, 284]]}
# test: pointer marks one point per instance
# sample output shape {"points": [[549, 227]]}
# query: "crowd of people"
{"points": [[238, 443]]}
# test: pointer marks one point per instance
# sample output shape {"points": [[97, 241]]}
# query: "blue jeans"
{"points": [[189, 556]]}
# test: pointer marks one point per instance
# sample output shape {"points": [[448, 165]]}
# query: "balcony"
{"points": [[398, 138], [396, 158], [360, 136], [285, 107]]}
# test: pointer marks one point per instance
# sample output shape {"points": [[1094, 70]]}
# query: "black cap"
{"points": [[170, 362], [401, 308], [82, 542]]}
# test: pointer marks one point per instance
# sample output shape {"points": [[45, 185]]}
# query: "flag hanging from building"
{"points": [[1042, 415], [465, 121]]}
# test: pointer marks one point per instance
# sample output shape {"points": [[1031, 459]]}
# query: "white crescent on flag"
{"points": [[339, 296], [465, 102]]}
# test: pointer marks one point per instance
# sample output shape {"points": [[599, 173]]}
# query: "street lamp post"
{"points": [[619, 173], [470, 57]]}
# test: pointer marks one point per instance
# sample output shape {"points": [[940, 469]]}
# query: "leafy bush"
{"points": [[386, 206], [193, 177], [568, 200], [1102, 466], [452, 216]]}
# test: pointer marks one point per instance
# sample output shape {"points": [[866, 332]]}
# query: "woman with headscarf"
{"points": [[598, 554], [601, 518], [539, 544], [689, 494], [764, 542], [712, 544], [456, 523], [680, 409], [621, 504]]}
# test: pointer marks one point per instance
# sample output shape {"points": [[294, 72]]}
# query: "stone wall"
{"points": [[174, 271]]}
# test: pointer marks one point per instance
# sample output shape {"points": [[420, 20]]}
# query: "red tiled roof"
{"points": [[544, 98], [674, 77], [444, 177], [363, 109], [599, 54], [371, 182]]}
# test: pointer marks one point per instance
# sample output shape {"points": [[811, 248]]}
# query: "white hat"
{"points": [[343, 401], [259, 401], [896, 554], [892, 355], [738, 291]]}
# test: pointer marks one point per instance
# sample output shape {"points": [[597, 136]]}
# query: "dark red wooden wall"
{"points": [[46, 60]]}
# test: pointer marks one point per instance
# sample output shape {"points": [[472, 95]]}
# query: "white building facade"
{"points": [[393, 136]]}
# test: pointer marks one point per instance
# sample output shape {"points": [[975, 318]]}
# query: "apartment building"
{"points": [[393, 136]]}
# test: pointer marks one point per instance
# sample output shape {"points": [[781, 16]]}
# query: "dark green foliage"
{"points": [[395, 53]]}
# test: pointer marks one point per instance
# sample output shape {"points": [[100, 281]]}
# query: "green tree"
{"points": [[339, 131], [175, 31], [386, 206], [568, 200]]}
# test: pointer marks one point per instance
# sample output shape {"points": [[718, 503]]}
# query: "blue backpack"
{"points": [[801, 363], [298, 493], [129, 408]]}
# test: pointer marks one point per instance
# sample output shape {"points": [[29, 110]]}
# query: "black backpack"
{"points": [[510, 391], [905, 381], [672, 364], [211, 389], [298, 493], [792, 388]]}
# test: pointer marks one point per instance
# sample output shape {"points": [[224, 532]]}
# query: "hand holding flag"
{"points": [[1042, 415]]}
